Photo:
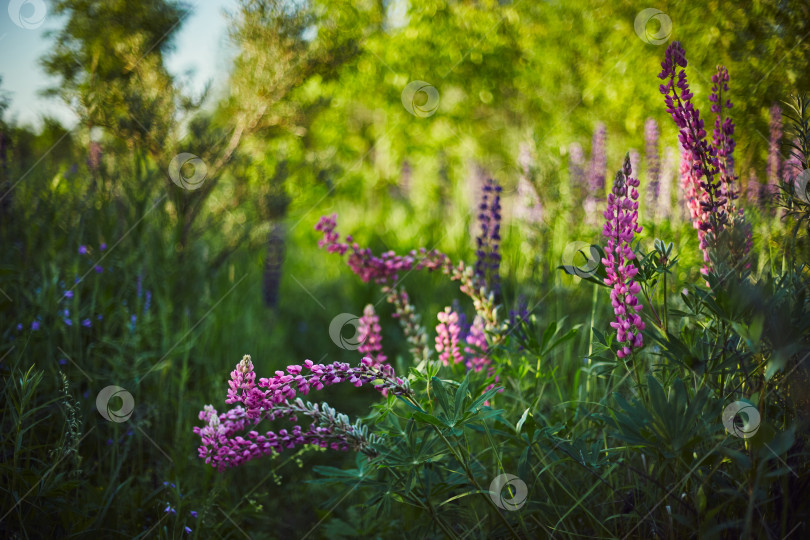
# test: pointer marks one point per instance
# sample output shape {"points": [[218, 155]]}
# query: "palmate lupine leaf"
{"points": [[670, 424]]}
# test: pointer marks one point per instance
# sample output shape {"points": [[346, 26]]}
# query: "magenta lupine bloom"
{"points": [[272, 398], [383, 269], [621, 225], [712, 165], [652, 162], [477, 355], [368, 329], [694, 197], [447, 337], [692, 135], [476, 348]]}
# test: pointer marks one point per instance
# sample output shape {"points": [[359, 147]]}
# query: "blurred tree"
{"points": [[109, 62]]}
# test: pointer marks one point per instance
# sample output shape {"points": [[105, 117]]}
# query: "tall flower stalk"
{"points": [[621, 225], [488, 257], [707, 169]]}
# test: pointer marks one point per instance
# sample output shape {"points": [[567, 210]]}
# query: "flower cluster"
{"points": [[270, 398], [369, 334], [386, 268], [383, 269], [707, 169], [447, 337], [488, 259], [621, 225]]}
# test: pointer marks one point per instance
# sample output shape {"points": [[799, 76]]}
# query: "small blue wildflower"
{"points": [[170, 509], [19, 327], [187, 529], [98, 269], [86, 323], [102, 247], [68, 322], [82, 250], [35, 326], [194, 514], [148, 301], [68, 294]]}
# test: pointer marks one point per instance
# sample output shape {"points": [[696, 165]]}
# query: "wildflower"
{"points": [[169, 509], [99, 269], [223, 447], [187, 529], [68, 322], [369, 334], [62, 361], [489, 217], [447, 337], [35, 325], [82, 250], [102, 247], [19, 327], [193, 514], [364, 263], [620, 227], [68, 294], [86, 323], [708, 168], [148, 302]]}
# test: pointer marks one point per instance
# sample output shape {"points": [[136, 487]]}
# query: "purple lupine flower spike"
{"points": [[488, 258], [620, 227]]}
